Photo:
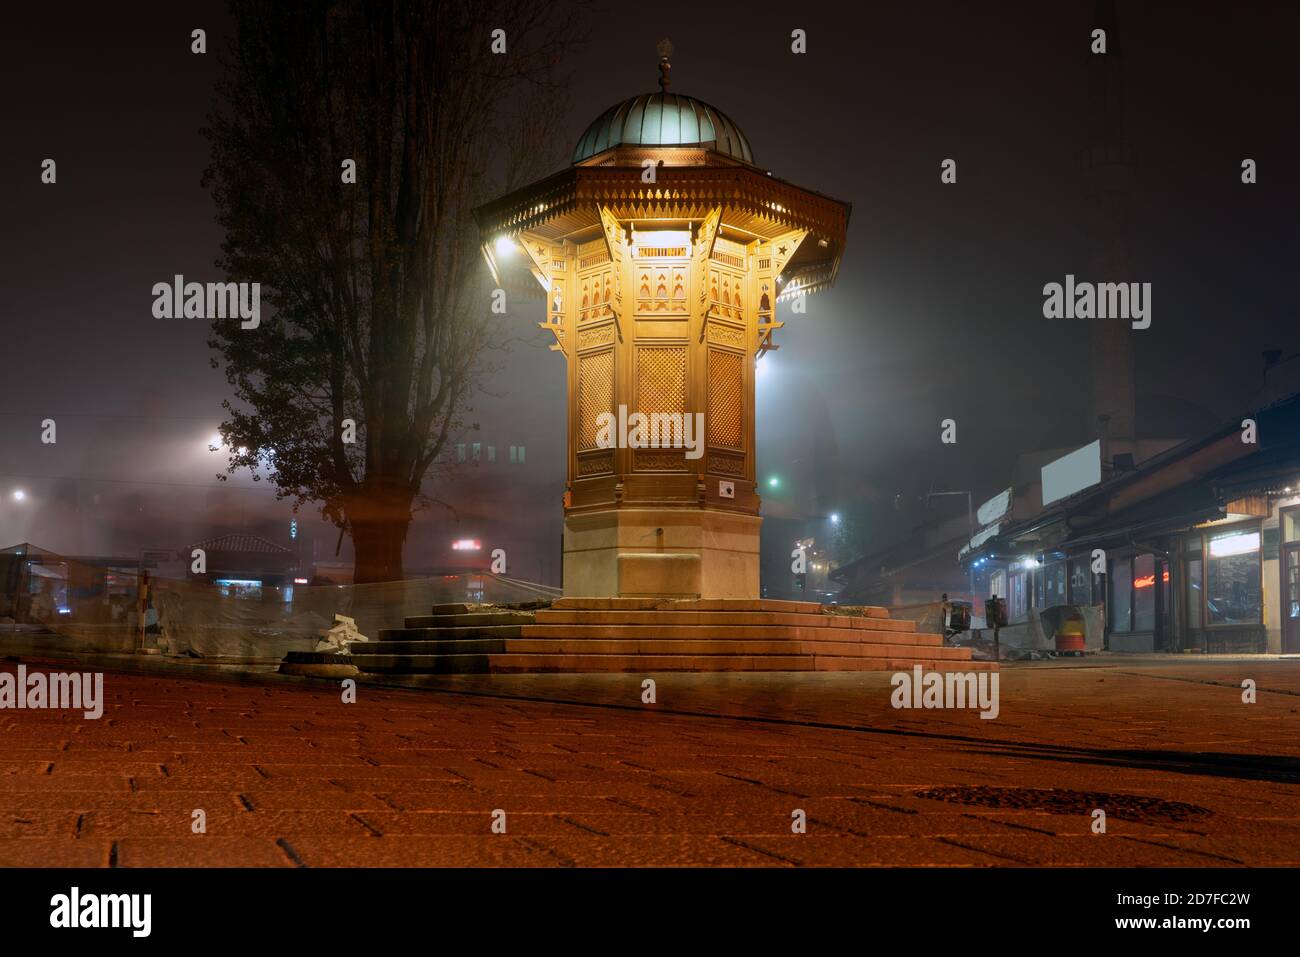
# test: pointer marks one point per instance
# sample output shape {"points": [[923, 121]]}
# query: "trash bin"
{"points": [[1070, 636]]}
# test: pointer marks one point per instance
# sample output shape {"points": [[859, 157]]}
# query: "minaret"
{"points": [[1108, 182]]}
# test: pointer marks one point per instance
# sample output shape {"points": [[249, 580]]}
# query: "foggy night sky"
{"points": [[937, 308]]}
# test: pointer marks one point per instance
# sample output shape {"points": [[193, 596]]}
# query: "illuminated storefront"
{"points": [[1200, 548]]}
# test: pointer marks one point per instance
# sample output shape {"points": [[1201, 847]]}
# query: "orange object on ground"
{"points": [[1070, 637]]}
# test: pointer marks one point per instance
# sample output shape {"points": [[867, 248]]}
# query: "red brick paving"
{"points": [[290, 776]]}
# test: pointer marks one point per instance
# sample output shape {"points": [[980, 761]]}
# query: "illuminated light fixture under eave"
{"points": [[1234, 545], [504, 245]]}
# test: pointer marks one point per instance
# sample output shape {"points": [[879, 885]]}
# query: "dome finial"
{"points": [[665, 51]]}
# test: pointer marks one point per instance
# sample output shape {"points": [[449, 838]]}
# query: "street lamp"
{"points": [[19, 495]]}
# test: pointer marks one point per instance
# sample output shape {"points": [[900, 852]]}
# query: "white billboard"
{"points": [[1072, 473], [994, 508]]}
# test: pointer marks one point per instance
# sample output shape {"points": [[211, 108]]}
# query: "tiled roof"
{"points": [[242, 543]]}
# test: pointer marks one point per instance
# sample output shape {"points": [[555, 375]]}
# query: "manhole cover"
{"points": [[1128, 807]]}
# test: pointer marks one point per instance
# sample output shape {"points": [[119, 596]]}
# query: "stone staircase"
{"points": [[650, 634]]}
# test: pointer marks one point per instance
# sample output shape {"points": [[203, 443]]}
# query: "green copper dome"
{"points": [[663, 119]]}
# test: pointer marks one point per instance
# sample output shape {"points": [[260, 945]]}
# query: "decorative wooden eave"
{"points": [[751, 200]]}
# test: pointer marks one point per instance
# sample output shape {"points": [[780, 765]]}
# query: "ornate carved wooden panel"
{"points": [[725, 335], [660, 460], [595, 394], [595, 337], [661, 288], [596, 290], [727, 464], [726, 293], [595, 464], [725, 419], [661, 379]]}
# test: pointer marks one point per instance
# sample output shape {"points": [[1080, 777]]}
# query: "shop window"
{"points": [[1195, 592], [1121, 599], [1291, 526], [998, 584], [1018, 596], [1144, 593], [1053, 576], [1232, 578], [1080, 582]]}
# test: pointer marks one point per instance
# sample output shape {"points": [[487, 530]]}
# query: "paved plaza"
{"points": [[712, 773]]}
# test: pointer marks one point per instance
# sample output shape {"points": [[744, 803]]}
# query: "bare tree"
{"points": [[380, 298]]}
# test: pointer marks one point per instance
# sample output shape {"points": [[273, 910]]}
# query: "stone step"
{"points": [[447, 646], [838, 663], [663, 646], [713, 618], [449, 634], [452, 608], [689, 604], [523, 663], [734, 632], [640, 635], [860, 611], [473, 664], [506, 664], [471, 620]]}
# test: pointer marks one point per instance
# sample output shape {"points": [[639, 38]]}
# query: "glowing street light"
{"points": [[19, 495], [774, 482], [835, 518]]}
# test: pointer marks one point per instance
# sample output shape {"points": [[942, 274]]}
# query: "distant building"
{"points": [[1194, 549], [241, 565]]}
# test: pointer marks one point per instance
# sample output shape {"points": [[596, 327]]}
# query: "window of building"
{"points": [[1144, 593], [998, 584], [1195, 591], [460, 452], [1018, 597], [1053, 590], [521, 455], [476, 449], [1233, 577], [1121, 597], [1290, 525], [1080, 582], [514, 454], [492, 453]]}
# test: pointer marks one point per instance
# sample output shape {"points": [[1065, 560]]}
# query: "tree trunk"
{"points": [[379, 518]]}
